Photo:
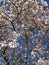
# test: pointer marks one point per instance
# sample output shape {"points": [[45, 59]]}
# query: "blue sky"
{"points": [[47, 1]]}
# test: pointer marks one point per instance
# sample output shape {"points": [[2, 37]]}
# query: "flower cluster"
{"points": [[24, 32]]}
